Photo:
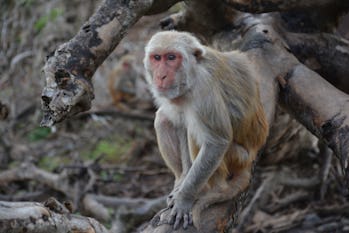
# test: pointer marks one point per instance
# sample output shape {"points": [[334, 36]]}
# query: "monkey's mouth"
{"points": [[164, 89], [173, 92]]}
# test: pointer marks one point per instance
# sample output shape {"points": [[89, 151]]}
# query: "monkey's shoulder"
{"points": [[232, 55]]}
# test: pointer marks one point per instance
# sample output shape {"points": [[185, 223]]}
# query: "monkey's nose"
{"points": [[163, 77]]}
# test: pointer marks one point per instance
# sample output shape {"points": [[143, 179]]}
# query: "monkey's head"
{"points": [[170, 61]]}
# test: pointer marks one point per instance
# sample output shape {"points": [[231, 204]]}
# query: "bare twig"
{"points": [[252, 205], [288, 200], [326, 155]]}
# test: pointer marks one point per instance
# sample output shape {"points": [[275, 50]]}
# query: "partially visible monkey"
{"points": [[210, 123], [122, 81], [126, 84]]}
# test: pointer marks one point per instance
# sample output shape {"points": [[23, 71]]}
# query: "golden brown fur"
{"points": [[211, 125], [122, 81]]}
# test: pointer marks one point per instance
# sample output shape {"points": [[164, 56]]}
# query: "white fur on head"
{"points": [[182, 42], [187, 45], [177, 41]]}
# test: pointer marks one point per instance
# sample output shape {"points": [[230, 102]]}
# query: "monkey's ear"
{"points": [[198, 53]]}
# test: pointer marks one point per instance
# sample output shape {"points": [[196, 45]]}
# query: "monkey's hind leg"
{"points": [[217, 195]]}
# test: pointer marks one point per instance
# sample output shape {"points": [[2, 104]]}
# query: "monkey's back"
{"points": [[240, 92]]}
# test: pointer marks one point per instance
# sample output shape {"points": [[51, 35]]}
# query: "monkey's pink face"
{"points": [[164, 66]]}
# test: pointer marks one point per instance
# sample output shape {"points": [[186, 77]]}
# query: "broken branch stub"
{"points": [[69, 70]]}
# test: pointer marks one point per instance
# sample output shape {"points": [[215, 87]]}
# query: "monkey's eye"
{"points": [[157, 57], [171, 57]]}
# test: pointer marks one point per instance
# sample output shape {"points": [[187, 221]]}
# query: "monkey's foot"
{"points": [[181, 212]]}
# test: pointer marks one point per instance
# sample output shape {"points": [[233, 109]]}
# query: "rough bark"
{"points": [[50, 217], [69, 69], [324, 53], [330, 123], [262, 6]]}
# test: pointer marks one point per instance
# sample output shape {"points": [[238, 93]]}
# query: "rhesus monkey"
{"points": [[126, 84], [210, 123]]}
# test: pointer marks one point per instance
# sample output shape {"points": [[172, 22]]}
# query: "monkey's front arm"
{"points": [[206, 163]]}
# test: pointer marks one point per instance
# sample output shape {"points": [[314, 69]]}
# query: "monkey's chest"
{"points": [[196, 130]]}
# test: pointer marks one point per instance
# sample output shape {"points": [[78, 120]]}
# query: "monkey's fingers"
{"points": [[179, 217], [191, 222], [186, 221]]}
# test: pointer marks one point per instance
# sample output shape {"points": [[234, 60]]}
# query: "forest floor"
{"points": [[111, 151]]}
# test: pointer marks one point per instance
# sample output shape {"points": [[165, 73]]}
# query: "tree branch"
{"points": [[262, 6], [69, 69], [324, 53], [320, 107], [324, 110], [38, 218]]}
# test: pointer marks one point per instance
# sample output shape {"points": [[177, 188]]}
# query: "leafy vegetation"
{"points": [[50, 17], [38, 133], [113, 150]]}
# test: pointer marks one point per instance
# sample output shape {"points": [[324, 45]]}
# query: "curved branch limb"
{"points": [[319, 106], [69, 69], [324, 53], [33, 217], [262, 6], [29, 171], [323, 109]]}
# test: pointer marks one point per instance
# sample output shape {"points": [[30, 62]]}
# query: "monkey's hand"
{"points": [[181, 210]]}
